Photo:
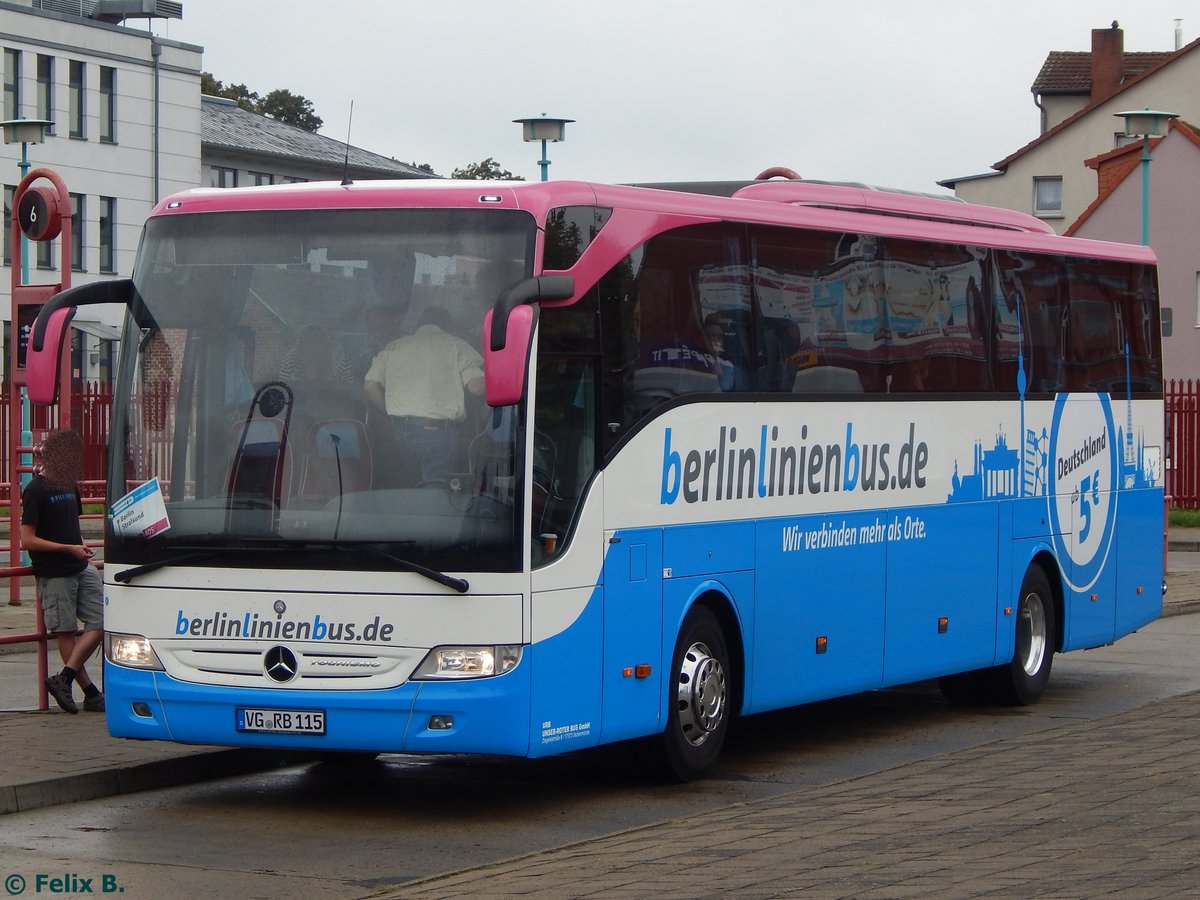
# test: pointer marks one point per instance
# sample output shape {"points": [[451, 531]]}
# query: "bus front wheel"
{"points": [[699, 697]]}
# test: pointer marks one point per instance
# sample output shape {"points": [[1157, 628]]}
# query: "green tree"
{"points": [[424, 167], [280, 104], [239, 93], [488, 170], [291, 109]]}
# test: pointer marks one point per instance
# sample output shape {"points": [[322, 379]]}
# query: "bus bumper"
{"points": [[488, 715]]}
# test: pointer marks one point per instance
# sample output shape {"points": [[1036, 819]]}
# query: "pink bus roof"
{"points": [[828, 207]]}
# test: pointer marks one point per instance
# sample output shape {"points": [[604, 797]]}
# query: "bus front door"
{"points": [[632, 668]]}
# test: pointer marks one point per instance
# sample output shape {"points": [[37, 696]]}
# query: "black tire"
{"points": [[1022, 681], [699, 697]]}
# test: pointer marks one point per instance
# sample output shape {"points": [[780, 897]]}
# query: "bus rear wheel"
{"points": [[1022, 681], [699, 697]]}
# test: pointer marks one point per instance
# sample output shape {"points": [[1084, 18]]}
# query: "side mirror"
{"points": [[504, 369], [508, 334], [43, 358], [52, 329]]}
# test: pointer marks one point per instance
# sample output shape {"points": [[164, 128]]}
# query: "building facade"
{"points": [[1116, 215], [1081, 175], [125, 114], [1048, 177], [129, 126]]}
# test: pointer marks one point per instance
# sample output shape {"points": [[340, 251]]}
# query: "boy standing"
{"points": [[71, 589]]}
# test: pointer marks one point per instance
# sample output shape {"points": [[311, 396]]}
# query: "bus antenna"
{"points": [[346, 170]]}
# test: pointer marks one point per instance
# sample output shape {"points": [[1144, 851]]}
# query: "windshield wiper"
{"points": [[458, 584], [127, 575]]}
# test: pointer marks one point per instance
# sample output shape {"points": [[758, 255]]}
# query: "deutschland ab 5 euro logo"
{"points": [[1083, 484]]}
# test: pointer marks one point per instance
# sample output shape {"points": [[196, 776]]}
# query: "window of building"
{"points": [[45, 90], [9, 197], [261, 178], [77, 215], [108, 219], [12, 84], [1047, 196], [10, 191], [222, 177], [108, 104], [45, 253], [77, 87]]}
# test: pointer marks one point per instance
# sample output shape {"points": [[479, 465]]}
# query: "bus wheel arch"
{"points": [[703, 688], [722, 608], [1045, 561], [1038, 635]]}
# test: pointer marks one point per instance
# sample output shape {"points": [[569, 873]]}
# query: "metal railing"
{"points": [[1182, 463]]}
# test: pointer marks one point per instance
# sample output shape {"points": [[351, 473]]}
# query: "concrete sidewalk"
{"points": [[33, 773]]}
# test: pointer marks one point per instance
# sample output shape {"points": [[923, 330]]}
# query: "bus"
{"points": [[742, 446]]}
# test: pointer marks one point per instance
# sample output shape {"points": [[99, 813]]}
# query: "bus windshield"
{"points": [[255, 332]]}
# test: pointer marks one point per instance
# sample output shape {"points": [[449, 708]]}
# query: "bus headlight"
{"points": [[130, 650], [468, 662]]}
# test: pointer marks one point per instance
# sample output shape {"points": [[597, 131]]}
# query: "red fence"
{"points": [[91, 405], [1183, 443]]}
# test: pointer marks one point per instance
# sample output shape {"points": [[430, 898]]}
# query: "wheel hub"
{"points": [[1032, 639], [700, 695]]}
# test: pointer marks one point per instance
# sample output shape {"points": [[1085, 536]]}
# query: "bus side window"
{"points": [[652, 307]]}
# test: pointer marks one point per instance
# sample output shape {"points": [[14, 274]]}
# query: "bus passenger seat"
{"points": [[337, 459], [827, 380], [260, 465]]}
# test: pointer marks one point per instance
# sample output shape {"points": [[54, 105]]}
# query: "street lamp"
{"points": [[1146, 123], [544, 129], [25, 132]]}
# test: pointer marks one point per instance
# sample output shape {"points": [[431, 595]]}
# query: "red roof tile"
{"points": [[1070, 71]]}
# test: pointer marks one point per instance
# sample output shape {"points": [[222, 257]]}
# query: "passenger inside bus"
{"points": [[421, 382]]}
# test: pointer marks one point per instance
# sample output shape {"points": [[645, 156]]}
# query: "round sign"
{"points": [[38, 214], [1083, 478]]}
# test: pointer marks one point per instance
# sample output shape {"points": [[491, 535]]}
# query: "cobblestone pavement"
{"points": [[1065, 813]]}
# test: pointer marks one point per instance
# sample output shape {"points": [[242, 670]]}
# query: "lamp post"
{"points": [[1146, 123], [25, 132], [544, 129]]}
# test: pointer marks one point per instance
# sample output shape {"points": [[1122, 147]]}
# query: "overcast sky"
{"points": [[900, 94]]}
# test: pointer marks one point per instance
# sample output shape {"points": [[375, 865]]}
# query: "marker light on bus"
{"points": [[130, 650], [468, 662]]}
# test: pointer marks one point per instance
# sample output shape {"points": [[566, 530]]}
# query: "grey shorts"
{"points": [[72, 599]]}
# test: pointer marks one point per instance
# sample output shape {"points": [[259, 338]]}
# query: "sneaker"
{"points": [[93, 704], [60, 690]]}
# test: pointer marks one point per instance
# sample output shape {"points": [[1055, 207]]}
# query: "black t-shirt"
{"points": [[54, 514]]}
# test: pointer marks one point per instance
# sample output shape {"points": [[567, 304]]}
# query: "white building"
{"points": [[129, 127], [1079, 95], [126, 130]]}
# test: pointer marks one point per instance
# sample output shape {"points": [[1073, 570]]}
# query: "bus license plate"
{"points": [[281, 721]]}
